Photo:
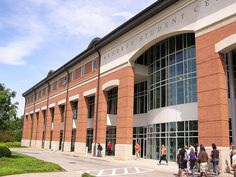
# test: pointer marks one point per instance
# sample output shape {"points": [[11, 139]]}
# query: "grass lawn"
{"points": [[19, 163]]}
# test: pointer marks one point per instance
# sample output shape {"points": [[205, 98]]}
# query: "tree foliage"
{"points": [[8, 110]]}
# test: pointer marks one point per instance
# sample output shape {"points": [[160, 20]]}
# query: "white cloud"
{"points": [[126, 15], [59, 19], [27, 36], [15, 52]]}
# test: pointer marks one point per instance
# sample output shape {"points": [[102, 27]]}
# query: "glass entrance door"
{"points": [[143, 144]]}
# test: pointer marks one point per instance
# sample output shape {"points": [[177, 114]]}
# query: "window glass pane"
{"points": [[192, 65], [179, 42], [179, 69], [174, 62], [172, 126], [180, 92], [190, 39], [172, 59], [179, 56], [171, 44], [171, 72], [193, 125]]}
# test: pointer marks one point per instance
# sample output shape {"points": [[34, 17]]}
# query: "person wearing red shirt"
{"points": [[109, 148], [137, 151]]}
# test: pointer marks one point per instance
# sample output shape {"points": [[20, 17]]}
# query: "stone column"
{"points": [[124, 133]]}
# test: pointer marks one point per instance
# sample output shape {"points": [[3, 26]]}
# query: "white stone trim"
{"points": [[43, 108], [61, 102], [52, 105], [110, 84], [111, 119], [31, 112], [90, 123], [27, 114], [226, 45], [75, 97], [67, 146], [80, 148], [89, 92], [37, 110]]}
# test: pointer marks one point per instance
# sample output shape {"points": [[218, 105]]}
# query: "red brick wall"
{"points": [[212, 88]]}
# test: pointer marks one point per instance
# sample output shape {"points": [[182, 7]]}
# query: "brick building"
{"points": [[166, 76]]}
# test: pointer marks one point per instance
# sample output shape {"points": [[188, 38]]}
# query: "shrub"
{"points": [[86, 175], [4, 151], [11, 144], [6, 136]]}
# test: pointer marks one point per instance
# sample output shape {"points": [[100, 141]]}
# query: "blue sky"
{"points": [[41, 35]]}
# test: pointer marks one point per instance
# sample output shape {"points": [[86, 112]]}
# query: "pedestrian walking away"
{"points": [[203, 159], [182, 159], [99, 154], [163, 154], [192, 160], [215, 159]]}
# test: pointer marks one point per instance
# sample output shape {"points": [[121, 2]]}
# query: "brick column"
{"points": [[81, 132], [25, 137], [102, 121], [56, 128], [68, 130], [40, 131], [33, 142], [212, 94], [124, 133], [48, 128]]}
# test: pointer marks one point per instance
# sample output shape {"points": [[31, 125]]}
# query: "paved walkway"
{"points": [[75, 165]]}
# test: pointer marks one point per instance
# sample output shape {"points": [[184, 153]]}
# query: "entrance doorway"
{"points": [[140, 136], [143, 144], [111, 137], [89, 140]]}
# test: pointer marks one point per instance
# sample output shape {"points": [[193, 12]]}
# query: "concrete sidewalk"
{"points": [[149, 163], [76, 164]]}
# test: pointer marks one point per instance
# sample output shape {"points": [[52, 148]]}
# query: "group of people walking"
{"points": [[196, 158]]}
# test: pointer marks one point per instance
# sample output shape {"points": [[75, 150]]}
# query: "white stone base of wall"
{"points": [[123, 151], [38, 144], [46, 145], [80, 148], [67, 146], [224, 163], [25, 142], [55, 145], [33, 143]]}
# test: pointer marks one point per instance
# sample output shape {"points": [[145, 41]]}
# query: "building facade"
{"points": [[166, 76]]}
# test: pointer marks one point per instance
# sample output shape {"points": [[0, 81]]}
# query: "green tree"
{"points": [[8, 110]]}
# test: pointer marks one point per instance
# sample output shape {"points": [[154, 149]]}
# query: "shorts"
{"points": [[203, 167], [183, 164]]}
